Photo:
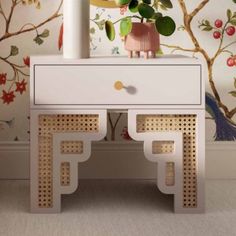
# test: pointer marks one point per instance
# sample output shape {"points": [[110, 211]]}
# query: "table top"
{"points": [[165, 59]]}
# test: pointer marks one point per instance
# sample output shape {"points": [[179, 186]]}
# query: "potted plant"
{"points": [[141, 30]]}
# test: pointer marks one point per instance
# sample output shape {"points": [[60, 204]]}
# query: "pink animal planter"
{"points": [[142, 38]]}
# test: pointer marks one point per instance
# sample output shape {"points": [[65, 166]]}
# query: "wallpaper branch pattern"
{"points": [[8, 94], [227, 120], [14, 64]]}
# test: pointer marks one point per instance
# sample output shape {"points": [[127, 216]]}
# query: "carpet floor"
{"points": [[117, 208]]}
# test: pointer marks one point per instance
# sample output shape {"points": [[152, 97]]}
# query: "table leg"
{"points": [[175, 141], [59, 141]]}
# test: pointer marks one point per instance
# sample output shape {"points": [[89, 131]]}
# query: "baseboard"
{"points": [[118, 160]]}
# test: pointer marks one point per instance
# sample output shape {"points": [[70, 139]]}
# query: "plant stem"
{"points": [[127, 17]]}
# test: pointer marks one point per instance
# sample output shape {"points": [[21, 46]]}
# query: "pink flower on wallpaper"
{"points": [[27, 61], [8, 97], [21, 86], [3, 78]]}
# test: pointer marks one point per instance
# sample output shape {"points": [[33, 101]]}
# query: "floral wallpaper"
{"points": [[29, 27]]}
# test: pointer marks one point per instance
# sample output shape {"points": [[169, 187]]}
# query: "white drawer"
{"points": [[91, 84]]}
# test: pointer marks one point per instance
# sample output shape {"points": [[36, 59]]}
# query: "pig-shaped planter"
{"points": [[142, 38]]}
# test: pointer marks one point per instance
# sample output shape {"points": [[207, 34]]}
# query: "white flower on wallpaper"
{"points": [[35, 27]]}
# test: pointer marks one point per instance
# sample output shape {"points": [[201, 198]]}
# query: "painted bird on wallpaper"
{"points": [[225, 129]]}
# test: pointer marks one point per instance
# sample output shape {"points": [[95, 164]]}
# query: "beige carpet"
{"points": [[117, 208]]}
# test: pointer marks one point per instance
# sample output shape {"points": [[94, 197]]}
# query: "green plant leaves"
{"points": [[166, 3], [145, 10], [110, 30], [122, 2], [147, 1], [125, 26], [165, 25], [133, 6], [14, 51], [156, 15]]}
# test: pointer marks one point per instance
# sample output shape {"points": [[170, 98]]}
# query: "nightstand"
{"points": [[165, 101]]}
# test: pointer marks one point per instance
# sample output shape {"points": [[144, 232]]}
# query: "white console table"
{"points": [[165, 101]]}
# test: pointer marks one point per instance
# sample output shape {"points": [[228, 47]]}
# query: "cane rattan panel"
{"points": [[71, 147], [49, 124], [65, 174], [170, 173], [162, 147], [186, 124]]}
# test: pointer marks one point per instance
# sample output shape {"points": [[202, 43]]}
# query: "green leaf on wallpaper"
{"points": [[166, 3], [125, 26], [110, 30], [14, 51], [101, 24], [229, 14], [205, 25], [234, 1], [233, 93], [233, 22], [207, 28], [235, 82], [38, 40], [207, 22], [97, 17], [92, 30], [45, 34], [181, 28]]}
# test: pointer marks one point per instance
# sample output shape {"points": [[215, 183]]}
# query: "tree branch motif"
{"points": [[113, 126], [187, 18], [20, 71], [21, 30]]}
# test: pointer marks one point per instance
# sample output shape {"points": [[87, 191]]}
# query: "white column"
{"points": [[76, 41]]}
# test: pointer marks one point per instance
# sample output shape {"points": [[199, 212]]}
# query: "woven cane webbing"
{"points": [[186, 124], [170, 173], [162, 147], [65, 174], [49, 124], [71, 147]]}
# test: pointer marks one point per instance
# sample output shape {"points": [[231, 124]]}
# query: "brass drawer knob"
{"points": [[118, 85]]}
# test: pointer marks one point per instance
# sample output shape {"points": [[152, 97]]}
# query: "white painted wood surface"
{"points": [[169, 83], [94, 85], [56, 82]]}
